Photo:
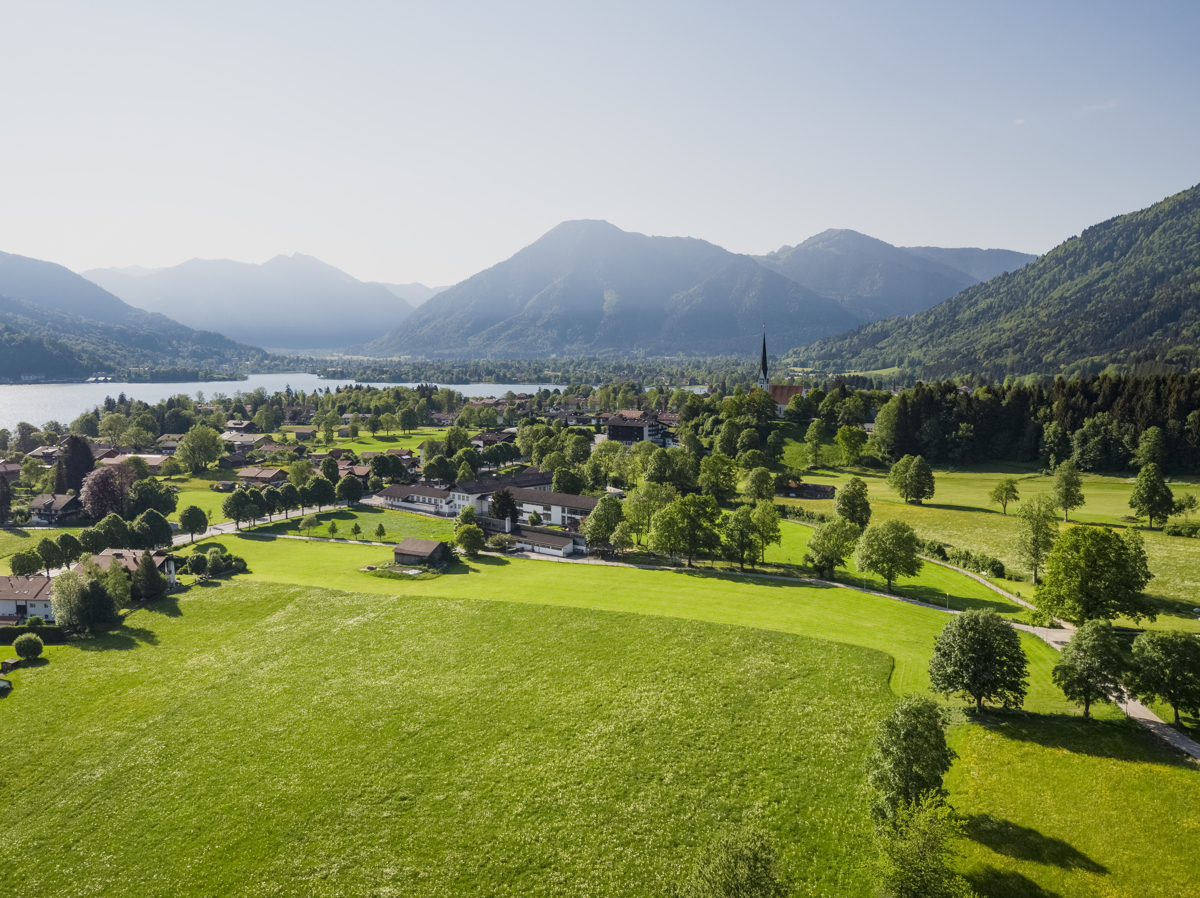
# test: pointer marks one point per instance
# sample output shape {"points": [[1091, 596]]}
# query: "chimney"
{"points": [[507, 524]]}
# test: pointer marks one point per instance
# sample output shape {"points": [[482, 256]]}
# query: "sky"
{"points": [[424, 142]]}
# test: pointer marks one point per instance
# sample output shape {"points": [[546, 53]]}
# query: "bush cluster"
{"points": [[931, 548], [976, 561], [796, 513], [1190, 529]]}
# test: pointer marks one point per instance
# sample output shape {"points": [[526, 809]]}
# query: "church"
{"points": [[781, 393]]}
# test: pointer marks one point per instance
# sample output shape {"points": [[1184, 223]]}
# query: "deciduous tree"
{"points": [[1166, 667], [739, 537], [193, 520], [1091, 668], [830, 545], [470, 539], [909, 757], [851, 502], [1092, 573], [741, 864], [599, 525], [1003, 493], [850, 441], [1067, 491], [1037, 533], [890, 550], [978, 655], [1151, 497]]}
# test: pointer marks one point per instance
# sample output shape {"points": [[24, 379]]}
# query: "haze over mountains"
{"points": [[1126, 290], [589, 287], [57, 324]]}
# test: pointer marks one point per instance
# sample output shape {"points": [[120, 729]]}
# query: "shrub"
{"points": [[34, 622], [27, 646], [933, 549]]}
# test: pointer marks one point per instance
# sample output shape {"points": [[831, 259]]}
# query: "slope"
{"points": [[870, 278], [1124, 291], [61, 325], [288, 302], [589, 287], [414, 294], [981, 264]]}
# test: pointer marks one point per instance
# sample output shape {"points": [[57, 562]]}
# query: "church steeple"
{"points": [[763, 382]]}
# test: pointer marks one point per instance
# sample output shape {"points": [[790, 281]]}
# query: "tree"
{"points": [[1003, 493], [381, 531], [736, 865], [1039, 530], [502, 505], [200, 447], [25, 564], [350, 489], [50, 554], [300, 473], [439, 468], [198, 565], [979, 655], [5, 501], [890, 550], [329, 468], [289, 498], [238, 507], [81, 605], [148, 584], [812, 439], [465, 517], [766, 523], [1091, 668], [465, 473], [74, 463], [470, 539], [599, 525], [916, 850], [170, 467], [909, 756], [775, 445], [760, 485], [1067, 491], [321, 492], [830, 545], [153, 530], [1152, 448], [850, 441], [272, 501], [701, 518], [70, 548], [103, 492], [639, 509], [851, 502], [149, 494], [1166, 667], [308, 522], [356, 530], [666, 530], [739, 536], [535, 519], [569, 481], [92, 540], [718, 476], [1151, 497], [116, 533], [28, 646], [1185, 505], [912, 479], [332, 529], [1092, 573]]}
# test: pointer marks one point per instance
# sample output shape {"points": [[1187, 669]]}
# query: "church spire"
{"points": [[764, 353]]}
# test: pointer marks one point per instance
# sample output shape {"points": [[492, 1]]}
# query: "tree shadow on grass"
{"points": [[1025, 844], [1119, 740], [34, 662], [993, 883], [118, 640]]}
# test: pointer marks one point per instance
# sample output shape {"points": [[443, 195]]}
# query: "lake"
{"points": [[39, 403]]}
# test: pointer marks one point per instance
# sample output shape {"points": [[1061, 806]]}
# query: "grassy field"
{"points": [[196, 489], [381, 442], [16, 539], [397, 525], [959, 515], [258, 739]]}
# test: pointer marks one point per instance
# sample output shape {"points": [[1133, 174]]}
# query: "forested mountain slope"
{"points": [[59, 324], [588, 287], [1126, 290]]}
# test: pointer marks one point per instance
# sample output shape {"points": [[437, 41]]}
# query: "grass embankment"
{"points": [[14, 539], [252, 739], [959, 515]]}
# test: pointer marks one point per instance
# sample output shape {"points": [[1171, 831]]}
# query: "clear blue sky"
{"points": [[427, 141]]}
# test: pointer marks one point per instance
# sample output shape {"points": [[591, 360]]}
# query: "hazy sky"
{"points": [[427, 141]]}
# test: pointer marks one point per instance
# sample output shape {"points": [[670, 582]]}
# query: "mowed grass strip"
{"points": [[397, 525], [251, 739]]}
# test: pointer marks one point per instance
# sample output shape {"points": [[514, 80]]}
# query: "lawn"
{"points": [[196, 489], [253, 739], [397, 525], [14, 539], [381, 442], [959, 515]]}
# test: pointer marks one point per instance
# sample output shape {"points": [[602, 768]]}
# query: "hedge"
{"points": [[51, 635]]}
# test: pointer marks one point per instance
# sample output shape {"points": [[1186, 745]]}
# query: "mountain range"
{"points": [[1123, 291], [587, 287], [289, 303], [55, 323], [872, 279]]}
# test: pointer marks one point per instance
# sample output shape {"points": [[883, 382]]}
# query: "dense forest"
{"points": [[1124, 292]]}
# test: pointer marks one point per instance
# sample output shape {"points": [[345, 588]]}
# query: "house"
{"points": [[99, 453], [560, 509], [444, 419], [808, 491], [262, 476], [304, 433], [168, 447], [403, 453], [47, 455], [50, 509], [233, 461], [223, 486], [491, 438], [129, 559], [23, 596], [541, 540], [297, 451], [243, 442], [10, 471], [635, 426], [479, 492], [417, 498], [241, 426], [152, 461], [421, 551], [362, 472]]}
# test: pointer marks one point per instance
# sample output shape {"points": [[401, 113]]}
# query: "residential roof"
{"points": [[262, 473], [48, 502], [170, 436], [783, 393], [632, 418], [422, 547], [537, 536], [530, 477], [126, 558], [24, 589], [568, 500], [403, 492]]}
